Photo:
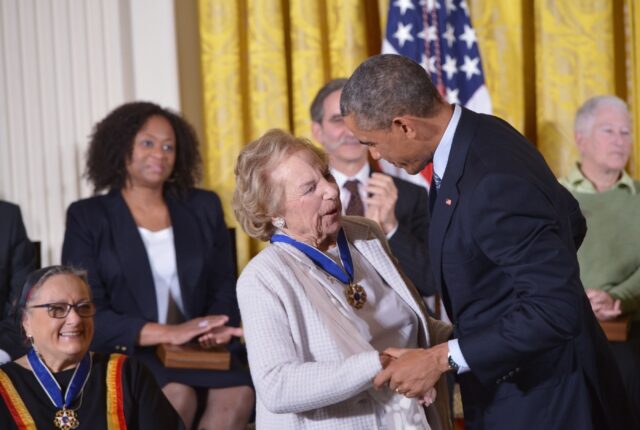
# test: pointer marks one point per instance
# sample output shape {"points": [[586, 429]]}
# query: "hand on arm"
{"points": [[603, 305], [414, 372], [178, 334], [381, 201]]}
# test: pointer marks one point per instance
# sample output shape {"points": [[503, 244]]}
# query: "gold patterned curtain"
{"points": [[263, 61]]}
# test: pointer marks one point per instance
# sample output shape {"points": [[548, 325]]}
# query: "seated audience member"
{"points": [[321, 302], [59, 383], [17, 260], [610, 200], [400, 207], [159, 258]]}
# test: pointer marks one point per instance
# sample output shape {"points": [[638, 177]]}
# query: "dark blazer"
{"points": [[503, 246], [17, 260], [102, 237], [410, 242]]}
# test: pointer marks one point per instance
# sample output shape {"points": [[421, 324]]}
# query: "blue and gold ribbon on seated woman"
{"points": [[115, 403], [356, 295]]}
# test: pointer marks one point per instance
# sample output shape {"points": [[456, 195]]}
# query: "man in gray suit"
{"points": [[400, 207], [17, 260]]}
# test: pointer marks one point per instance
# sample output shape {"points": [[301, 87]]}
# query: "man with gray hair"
{"points": [[527, 350], [610, 199], [399, 207]]}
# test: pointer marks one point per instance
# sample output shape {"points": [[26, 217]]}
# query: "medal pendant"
{"points": [[66, 419], [356, 295]]}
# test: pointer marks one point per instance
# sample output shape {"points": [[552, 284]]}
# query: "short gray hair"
{"points": [[317, 105], [586, 112], [256, 199], [386, 86]]}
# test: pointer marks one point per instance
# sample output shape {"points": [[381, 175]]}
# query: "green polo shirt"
{"points": [[610, 254]]}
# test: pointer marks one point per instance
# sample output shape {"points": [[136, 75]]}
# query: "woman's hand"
{"points": [[182, 333], [219, 336]]}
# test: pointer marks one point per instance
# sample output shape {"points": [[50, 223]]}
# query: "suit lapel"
{"points": [[448, 194], [189, 252], [132, 255]]}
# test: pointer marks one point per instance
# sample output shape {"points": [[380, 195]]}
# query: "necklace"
{"points": [[355, 294], [65, 418]]}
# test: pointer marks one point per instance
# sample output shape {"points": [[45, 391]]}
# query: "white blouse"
{"points": [[162, 258]]}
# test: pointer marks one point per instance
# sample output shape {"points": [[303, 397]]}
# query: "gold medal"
{"points": [[356, 295], [66, 419]]}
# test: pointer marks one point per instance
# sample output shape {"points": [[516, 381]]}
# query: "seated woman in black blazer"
{"points": [[159, 257]]}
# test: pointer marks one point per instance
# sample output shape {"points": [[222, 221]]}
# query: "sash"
{"points": [[14, 403], [115, 400]]}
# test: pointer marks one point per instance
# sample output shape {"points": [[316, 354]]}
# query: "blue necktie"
{"points": [[436, 181]]}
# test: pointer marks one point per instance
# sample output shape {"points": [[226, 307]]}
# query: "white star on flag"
{"points": [[448, 4], [404, 5], [470, 66], [403, 34], [452, 95], [448, 35], [469, 36], [450, 67]]}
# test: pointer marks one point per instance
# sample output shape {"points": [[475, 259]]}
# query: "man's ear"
{"points": [[316, 131], [579, 138], [405, 125]]}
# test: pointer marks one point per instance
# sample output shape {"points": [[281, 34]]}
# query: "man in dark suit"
{"points": [[400, 207], [527, 348], [17, 260]]}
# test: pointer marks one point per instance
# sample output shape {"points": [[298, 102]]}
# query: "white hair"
{"points": [[584, 115]]}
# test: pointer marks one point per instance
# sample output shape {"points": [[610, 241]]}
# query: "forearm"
{"points": [[154, 334], [335, 381]]}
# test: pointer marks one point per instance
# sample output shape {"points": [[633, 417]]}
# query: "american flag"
{"points": [[438, 35]]}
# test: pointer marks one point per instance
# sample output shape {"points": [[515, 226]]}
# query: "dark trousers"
{"points": [[627, 355]]}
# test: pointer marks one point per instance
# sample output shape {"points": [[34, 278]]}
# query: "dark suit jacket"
{"points": [[410, 242], [102, 237], [503, 246], [17, 260]]}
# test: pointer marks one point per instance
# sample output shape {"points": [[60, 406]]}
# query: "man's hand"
{"points": [[603, 305], [382, 195], [414, 372]]}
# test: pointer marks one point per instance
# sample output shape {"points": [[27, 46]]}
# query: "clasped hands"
{"points": [[209, 330], [413, 372], [603, 305]]}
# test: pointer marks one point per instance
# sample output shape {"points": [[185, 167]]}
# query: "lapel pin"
{"points": [[448, 202]]}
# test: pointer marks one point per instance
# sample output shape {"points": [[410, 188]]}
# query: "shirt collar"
{"points": [[341, 178], [441, 156], [577, 182]]}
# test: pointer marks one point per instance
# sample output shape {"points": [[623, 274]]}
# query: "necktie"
{"points": [[355, 206], [433, 190]]}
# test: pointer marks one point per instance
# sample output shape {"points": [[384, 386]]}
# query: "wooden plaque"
{"points": [[193, 357], [617, 330]]}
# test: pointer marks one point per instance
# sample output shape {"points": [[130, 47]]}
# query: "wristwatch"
{"points": [[452, 364]]}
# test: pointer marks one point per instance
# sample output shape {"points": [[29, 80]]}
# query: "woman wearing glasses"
{"points": [[59, 382]]}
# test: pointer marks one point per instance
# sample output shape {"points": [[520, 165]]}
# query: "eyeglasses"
{"points": [[61, 310]]}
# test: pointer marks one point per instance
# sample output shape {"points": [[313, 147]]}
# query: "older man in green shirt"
{"points": [[610, 201]]}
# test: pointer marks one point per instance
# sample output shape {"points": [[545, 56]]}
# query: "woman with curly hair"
{"points": [[159, 258]]}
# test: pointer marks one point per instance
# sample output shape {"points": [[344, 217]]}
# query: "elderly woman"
{"points": [[159, 258], [322, 300], [59, 382]]}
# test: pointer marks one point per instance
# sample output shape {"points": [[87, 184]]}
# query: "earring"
{"points": [[30, 338], [279, 222]]}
